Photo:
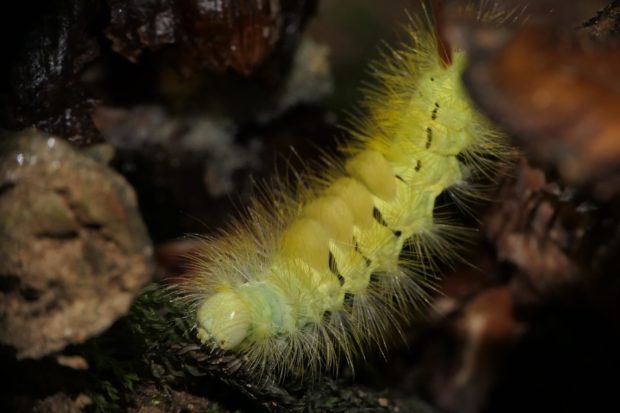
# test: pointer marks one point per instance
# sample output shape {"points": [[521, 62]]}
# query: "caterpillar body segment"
{"points": [[309, 279]]}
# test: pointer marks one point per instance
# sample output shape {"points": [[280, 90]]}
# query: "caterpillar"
{"points": [[326, 271]]}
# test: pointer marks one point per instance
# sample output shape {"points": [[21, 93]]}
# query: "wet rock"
{"points": [[73, 249], [45, 52], [216, 35]]}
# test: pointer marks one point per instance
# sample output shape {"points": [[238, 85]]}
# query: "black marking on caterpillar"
{"points": [[434, 113], [376, 214]]}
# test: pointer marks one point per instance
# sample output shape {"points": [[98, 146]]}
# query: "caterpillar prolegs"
{"points": [[329, 270]]}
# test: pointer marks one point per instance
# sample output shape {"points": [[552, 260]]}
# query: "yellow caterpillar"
{"points": [[329, 270]]}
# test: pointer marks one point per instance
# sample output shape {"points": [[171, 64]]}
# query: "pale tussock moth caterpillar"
{"points": [[330, 269]]}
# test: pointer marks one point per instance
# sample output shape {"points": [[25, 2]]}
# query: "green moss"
{"points": [[136, 350], [153, 354]]}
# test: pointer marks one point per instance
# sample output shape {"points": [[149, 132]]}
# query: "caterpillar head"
{"points": [[224, 318]]}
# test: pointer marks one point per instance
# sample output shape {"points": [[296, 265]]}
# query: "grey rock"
{"points": [[74, 251]]}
